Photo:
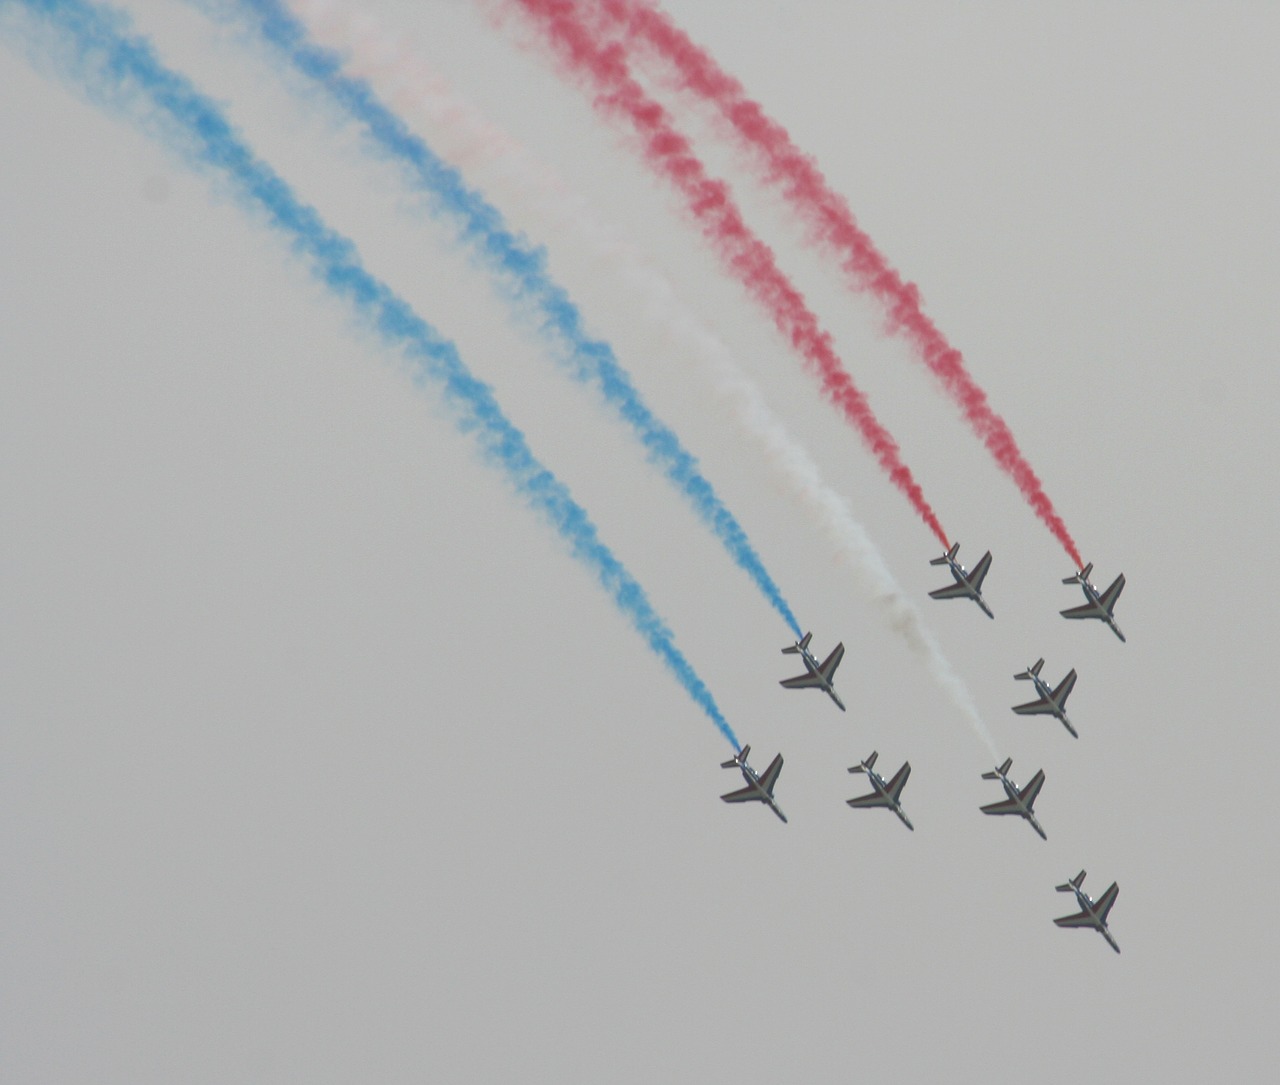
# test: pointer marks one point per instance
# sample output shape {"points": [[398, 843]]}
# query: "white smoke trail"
{"points": [[461, 135]]}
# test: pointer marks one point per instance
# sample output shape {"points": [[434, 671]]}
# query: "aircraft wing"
{"points": [[770, 775], [1088, 610], [1008, 806], [980, 571], [867, 801], [1104, 902], [1080, 919], [952, 591], [745, 794], [829, 665], [899, 781], [1032, 789], [1034, 708], [1109, 597], [802, 681], [1064, 689]]}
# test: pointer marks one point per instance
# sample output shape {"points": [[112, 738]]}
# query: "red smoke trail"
{"points": [[828, 215], [748, 258]]}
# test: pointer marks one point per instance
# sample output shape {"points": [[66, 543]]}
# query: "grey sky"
{"points": [[323, 761]]}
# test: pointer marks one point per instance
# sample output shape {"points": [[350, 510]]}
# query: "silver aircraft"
{"points": [[1093, 913], [1100, 604], [885, 794], [1019, 801], [1051, 702], [816, 676], [759, 788], [968, 585]]}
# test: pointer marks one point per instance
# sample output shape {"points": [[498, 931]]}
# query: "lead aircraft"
{"points": [[968, 585], [1100, 604], [759, 788], [1019, 801], [885, 794], [1052, 702], [816, 676], [1093, 913]]}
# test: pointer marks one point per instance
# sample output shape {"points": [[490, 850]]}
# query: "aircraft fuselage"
{"points": [[882, 788], [753, 780], [1091, 593], [1087, 904], [815, 669], [1016, 798], [962, 577], [1042, 688]]}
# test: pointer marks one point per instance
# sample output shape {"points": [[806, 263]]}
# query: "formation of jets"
{"points": [[1019, 801]]}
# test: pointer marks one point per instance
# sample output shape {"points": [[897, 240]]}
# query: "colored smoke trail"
{"points": [[584, 55], [521, 268], [536, 189], [120, 70], [828, 218]]}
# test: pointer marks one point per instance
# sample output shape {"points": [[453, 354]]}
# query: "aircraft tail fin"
{"points": [[1073, 884], [866, 765], [1038, 664], [948, 557], [740, 759], [795, 649], [1081, 576]]}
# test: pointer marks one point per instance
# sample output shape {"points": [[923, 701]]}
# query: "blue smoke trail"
{"points": [[120, 69], [522, 269]]}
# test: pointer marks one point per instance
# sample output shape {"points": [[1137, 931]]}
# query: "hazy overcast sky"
{"points": [[324, 761]]}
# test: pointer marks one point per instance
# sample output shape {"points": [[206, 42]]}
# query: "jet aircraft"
{"points": [[1051, 702], [1019, 801], [1100, 604], [759, 788], [1093, 913], [968, 585], [885, 794], [816, 676]]}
